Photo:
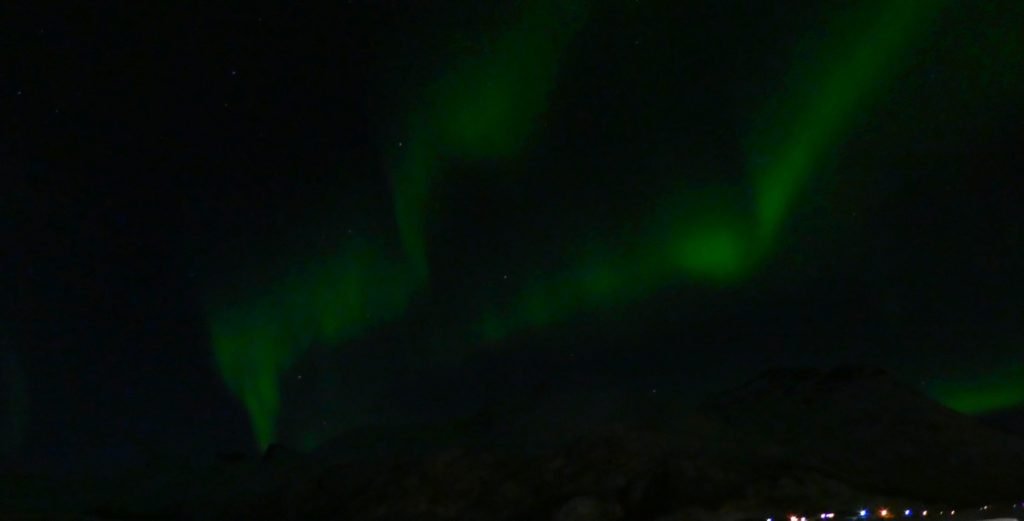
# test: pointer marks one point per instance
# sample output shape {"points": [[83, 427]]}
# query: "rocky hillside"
{"points": [[863, 427], [787, 441]]}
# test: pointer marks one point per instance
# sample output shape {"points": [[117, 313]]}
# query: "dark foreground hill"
{"points": [[787, 441], [864, 428]]}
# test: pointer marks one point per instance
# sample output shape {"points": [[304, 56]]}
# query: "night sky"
{"points": [[227, 227]]}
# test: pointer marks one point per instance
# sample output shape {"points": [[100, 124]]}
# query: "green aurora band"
{"points": [[995, 392], [486, 107], [708, 243], [325, 301]]}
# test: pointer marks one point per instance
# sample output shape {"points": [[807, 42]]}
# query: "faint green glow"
{"points": [[830, 94], [326, 301], [710, 243], [711, 251], [1003, 390], [413, 174], [484, 107]]}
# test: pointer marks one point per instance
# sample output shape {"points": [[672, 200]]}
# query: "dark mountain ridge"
{"points": [[788, 440]]}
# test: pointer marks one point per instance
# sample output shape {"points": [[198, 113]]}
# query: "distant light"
{"points": [[768, 519], [924, 513], [952, 512], [794, 518], [884, 512], [863, 513], [907, 512], [829, 515]]}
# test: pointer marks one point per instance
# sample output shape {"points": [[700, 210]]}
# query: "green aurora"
{"points": [[326, 301], [486, 106], [482, 107], [995, 392], [709, 243]]}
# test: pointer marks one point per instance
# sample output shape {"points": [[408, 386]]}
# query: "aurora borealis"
{"points": [[298, 224], [484, 108], [999, 391]]}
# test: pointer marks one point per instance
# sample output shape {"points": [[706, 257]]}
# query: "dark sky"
{"points": [[161, 165]]}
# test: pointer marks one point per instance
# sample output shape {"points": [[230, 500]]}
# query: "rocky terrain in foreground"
{"points": [[788, 441]]}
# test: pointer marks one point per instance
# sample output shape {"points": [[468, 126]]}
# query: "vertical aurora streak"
{"points": [[711, 244], [483, 107], [325, 301], [828, 98]]}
